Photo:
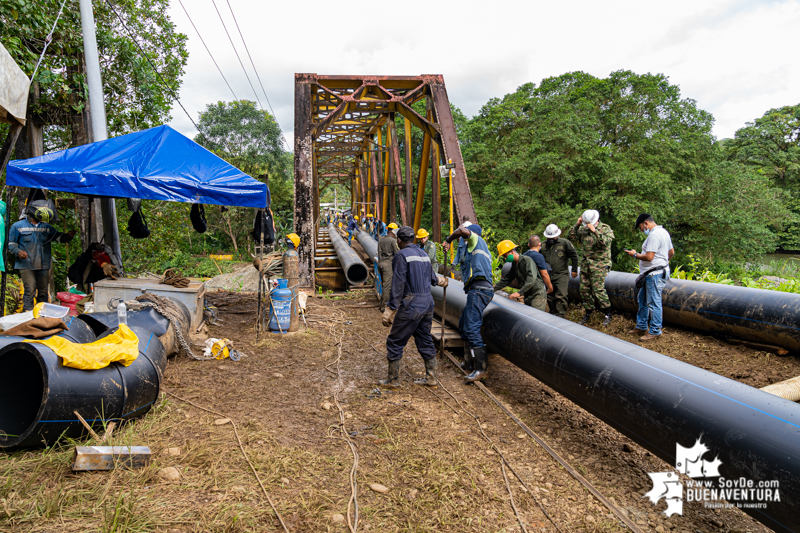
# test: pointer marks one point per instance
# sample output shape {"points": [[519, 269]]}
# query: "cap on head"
{"points": [[405, 234], [505, 246], [644, 217], [551, 232], [294, 238], [422, 233], [474, 228], [590, 216], [391, 225]]}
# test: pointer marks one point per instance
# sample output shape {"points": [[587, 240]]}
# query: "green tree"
{"points": [[625, 144], [135, 97], [251, 140], [771, 146]]}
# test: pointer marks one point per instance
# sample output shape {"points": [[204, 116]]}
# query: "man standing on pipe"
{"points": [[476, 274], [529, 275], [387, 247], [657, 250], [595, 240], [558, 251], [410, 310]]}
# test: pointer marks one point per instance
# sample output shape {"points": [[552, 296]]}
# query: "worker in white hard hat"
{"points": [[595, 238], [558, 252]]}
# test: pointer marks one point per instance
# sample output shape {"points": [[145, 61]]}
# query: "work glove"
{"points": [[388, 316], [441, 281], [110, 270]]}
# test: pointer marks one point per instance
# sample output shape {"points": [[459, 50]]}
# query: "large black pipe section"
{"points": [[369, 245], [757, 315], [38, 395], [653, 399], [355, 271]]}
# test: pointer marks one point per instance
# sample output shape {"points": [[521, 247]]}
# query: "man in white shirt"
{"points": [[654, 259]]}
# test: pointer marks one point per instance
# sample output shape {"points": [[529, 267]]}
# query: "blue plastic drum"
{"points": [[280, 309]]}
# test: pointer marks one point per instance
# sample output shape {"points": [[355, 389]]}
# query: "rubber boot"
{"points": [[430, 374], [392, 381], [586, 318], [480, 358], [466, 365], [607, 314]]}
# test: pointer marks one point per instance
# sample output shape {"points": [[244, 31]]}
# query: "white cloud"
{"points": [[735, 57]]}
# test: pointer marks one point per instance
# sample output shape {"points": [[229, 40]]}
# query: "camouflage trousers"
{"points": [[593, 289]]}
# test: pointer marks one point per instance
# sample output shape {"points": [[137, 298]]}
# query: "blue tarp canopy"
{"points": [[154, 164]]}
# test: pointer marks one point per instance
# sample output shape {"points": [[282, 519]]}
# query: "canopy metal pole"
{"points": [[99, 127]]}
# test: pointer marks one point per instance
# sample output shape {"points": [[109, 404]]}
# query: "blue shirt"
{"points": [[538, 258], [477, 264], [35, 240], [412, 274]]}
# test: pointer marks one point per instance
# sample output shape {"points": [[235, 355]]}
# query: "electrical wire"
{"points": [[48, 39], [163, 82], [207, 50], [256, 71], [237, 53]]}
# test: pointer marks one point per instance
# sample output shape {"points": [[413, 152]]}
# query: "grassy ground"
{"points": [[422, 444]]}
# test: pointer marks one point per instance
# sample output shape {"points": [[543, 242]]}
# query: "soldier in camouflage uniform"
{"points": [[595, 240]]}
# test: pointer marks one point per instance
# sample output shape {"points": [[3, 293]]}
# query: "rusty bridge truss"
{"points": [[345, 133]]}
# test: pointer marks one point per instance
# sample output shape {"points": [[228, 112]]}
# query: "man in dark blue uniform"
{"points": [[410, 309]]}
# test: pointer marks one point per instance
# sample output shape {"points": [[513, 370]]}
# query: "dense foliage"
{"points": [[625, 144], [135, 97]]}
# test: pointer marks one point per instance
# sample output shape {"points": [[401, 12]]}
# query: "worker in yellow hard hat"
{"points": [[387, 247], [429, 247], [527, 274], [352, 228], [293, 240]]}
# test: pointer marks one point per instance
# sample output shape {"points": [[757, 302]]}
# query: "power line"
{"points": [[174, 95], [237, 53], [254, 65], [207, 50]]}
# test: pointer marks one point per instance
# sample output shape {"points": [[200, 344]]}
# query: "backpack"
{"points": [[198, 217], [269, 230], [137, 226]]}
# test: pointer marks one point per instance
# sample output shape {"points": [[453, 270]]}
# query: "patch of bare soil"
{"points": [[421, 444]]}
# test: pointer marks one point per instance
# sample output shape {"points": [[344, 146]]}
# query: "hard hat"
{"points": [[392, 225], [590, 216], [370, 215], [505, 246], [356, 217], [551, 231], [421, 233], [43, 214], [294, 238]]}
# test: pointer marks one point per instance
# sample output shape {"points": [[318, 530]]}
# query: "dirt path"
{"points": [[422, 444]]}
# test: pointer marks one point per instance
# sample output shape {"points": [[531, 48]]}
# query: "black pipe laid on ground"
{"points": [[355, 271], [758, 315], [38, 395], [653, 399], [369, 245]]}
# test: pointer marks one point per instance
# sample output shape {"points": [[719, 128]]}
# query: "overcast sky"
{"points": [[736, 58]]}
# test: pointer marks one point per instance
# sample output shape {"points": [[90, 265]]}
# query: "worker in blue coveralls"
{"points": [[29, 240], [410, 310], [352, 228], [476, 275]]}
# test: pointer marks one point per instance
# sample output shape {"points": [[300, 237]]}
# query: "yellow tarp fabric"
{"points": [[122, 347]]}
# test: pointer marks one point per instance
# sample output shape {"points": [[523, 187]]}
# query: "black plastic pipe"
{"points": [[38, 395], [355, 271], [653, 399], [369, 245], [758, 315]]}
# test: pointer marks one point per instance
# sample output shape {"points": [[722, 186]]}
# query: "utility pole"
{"points": [[98, 115]]}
